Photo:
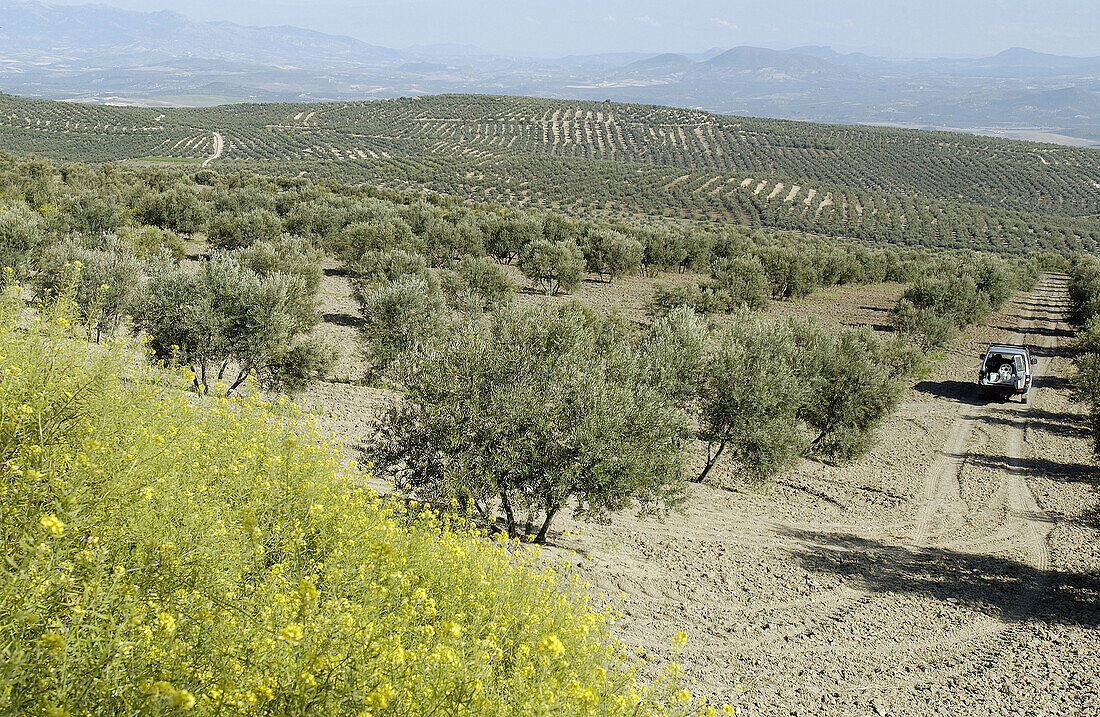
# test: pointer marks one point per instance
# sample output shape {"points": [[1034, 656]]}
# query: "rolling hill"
{"points": [[905, 186]]}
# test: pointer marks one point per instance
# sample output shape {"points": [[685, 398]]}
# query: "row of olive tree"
{"points": [[519, 414], [250, 311], [1084, 290], [957, 290]]}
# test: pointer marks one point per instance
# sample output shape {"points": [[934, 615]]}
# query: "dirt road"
{"points": [[952, 571], [219, 146]]}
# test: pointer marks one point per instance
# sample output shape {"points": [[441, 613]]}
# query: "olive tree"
{"points": [[609, 253], [520, 416], [398, 316], [104, 275], [374, 235], [743, 281], [1086, 375], [227, 322], [231, 230], [22, 232], [181, 209], [672, 351], [853, 381], [553, 266], [484, 282], [505, 237], [789, 271], [749, 398]]}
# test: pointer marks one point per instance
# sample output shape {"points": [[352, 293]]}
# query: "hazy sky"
{"points": [[560, 27]]}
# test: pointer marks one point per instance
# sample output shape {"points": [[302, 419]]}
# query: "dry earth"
{"points": [[954, 570]]}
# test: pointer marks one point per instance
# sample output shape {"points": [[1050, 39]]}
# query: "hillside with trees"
{"points": [[595, 158]]}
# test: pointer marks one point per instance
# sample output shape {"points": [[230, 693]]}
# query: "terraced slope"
{"points": [[908, 186]]}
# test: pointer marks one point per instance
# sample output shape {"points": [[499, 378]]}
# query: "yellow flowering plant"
{"points": [[166, 554]]}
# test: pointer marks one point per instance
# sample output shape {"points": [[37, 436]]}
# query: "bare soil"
{"points": [[953, 570]]}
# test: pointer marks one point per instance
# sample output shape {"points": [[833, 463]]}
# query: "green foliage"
{"points": [[232, 230], [149, 242], [104, 277], [375, 235], [485, 282], [1084, 290], [1086, 377], [672, 353], [22, 231], [399, 316], [553, 266], [226, 321], [662, 248], [507, 236], [853, 381], [790, 272], [385, 265], [956, 291], [702, 299], [180, 209], [609, 253], [287, 254], [925, 325], [742, 280], [165, 556], [530, 412], [907, 187], [91, 213], [749, 398]]}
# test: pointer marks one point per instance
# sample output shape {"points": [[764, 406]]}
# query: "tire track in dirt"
{"points": [[1025, 520], [937, 523]]}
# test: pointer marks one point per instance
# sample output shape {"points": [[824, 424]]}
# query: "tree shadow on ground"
{"points": [[342, 320], [1055, 383], [1054, 470], [1037, 331], [960, 391], [1062, 424], [877, 328], [1007, 589]]}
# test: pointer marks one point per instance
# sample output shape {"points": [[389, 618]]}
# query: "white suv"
{"points": [[1006, 371]]}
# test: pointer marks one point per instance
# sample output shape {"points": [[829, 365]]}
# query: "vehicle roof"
{"points": [[1007, 349]]}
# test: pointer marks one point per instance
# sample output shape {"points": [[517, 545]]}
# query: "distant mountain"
{"points": [[850, 59], [96, 30], [95, 53], [755, 59], [657, 68], [1023, 58]]}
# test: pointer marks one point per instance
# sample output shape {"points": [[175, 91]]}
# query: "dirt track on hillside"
{"points": [[952, 571]]}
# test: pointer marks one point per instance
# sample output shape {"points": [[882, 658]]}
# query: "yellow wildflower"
{"points": [[292, 633], [53, 641], [553, 645], [52, 524]]}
